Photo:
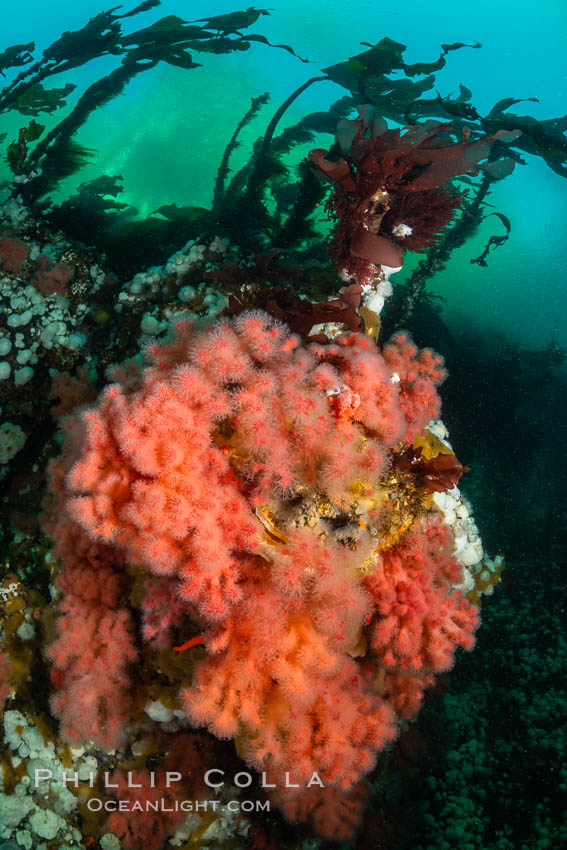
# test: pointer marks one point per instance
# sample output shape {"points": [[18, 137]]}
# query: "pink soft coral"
{"points": [[150, 480], [92, 652], [418, 372], [419, 621], [332, 812], [281, 673], [155, 800], [51, 278], [71, 391], [95, 642], [13, 254], [178, 473]]}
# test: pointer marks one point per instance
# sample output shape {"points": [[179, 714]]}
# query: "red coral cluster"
{"points": [[418, 622], [70, 391], [316, 642], [151, 807], [95, 643], [51, 278], [280, 677], [13, 254], [48, 277], [391, 190], [332, 813]]}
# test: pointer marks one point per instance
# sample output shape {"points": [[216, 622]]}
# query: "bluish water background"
{"points": [[166, 134]]}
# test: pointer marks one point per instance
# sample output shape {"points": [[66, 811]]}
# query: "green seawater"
{"points": [[166, 134]]}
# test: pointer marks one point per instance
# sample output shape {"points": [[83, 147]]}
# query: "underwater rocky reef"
{"points": [[239, 555]]}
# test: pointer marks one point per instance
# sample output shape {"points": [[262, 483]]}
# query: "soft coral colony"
{"points": [[248, 482]]}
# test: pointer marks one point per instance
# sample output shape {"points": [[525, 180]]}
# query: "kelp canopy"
{"points": [[262, 204]]}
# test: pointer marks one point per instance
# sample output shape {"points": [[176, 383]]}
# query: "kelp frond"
{"points": [[222, 173]]}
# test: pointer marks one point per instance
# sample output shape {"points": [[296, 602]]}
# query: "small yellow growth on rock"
{"points": [[430, 445], [371, 321], [486, 580]]}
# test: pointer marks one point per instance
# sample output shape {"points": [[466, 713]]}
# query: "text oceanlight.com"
{"points": [[95, 804]]}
